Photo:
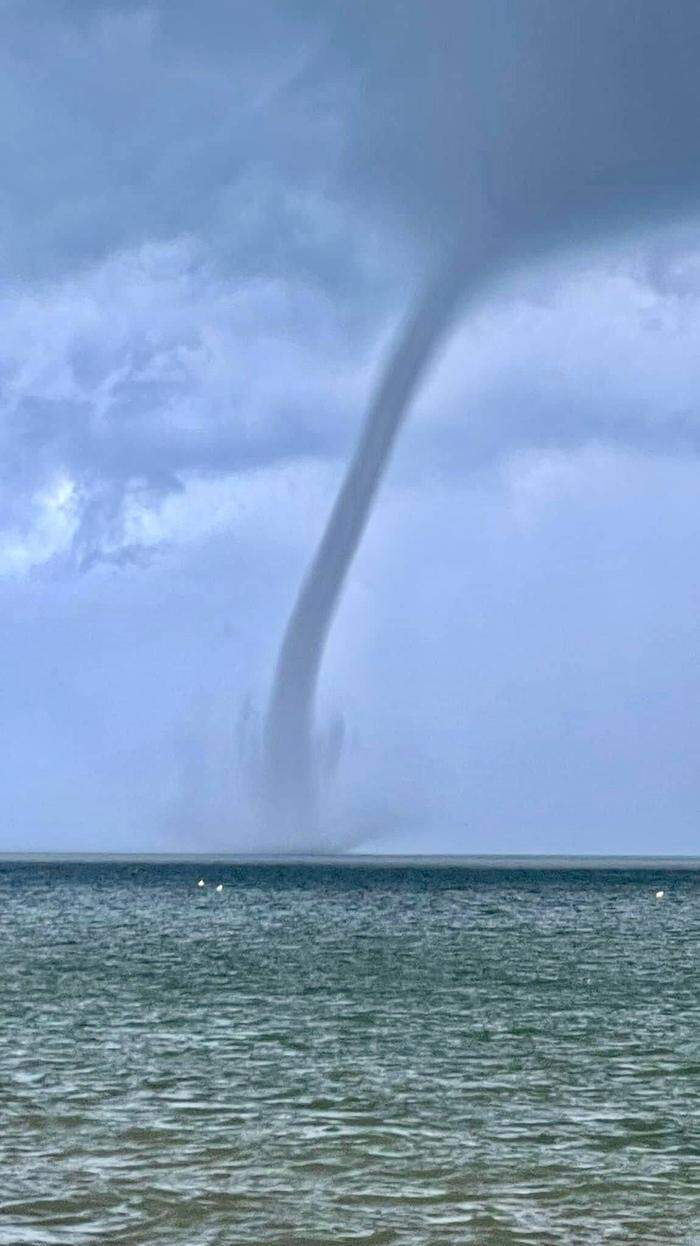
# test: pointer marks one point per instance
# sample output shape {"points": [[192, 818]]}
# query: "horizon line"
{"points": [[525, 859]]}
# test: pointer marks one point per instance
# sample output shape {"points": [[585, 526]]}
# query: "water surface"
{"points": [[376, 1052]]}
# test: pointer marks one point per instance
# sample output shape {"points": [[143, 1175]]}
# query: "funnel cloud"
{"points": [[564, 123], [290, 776]]}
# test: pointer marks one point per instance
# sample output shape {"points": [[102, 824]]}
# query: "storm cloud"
{"points": [[214, 224]]}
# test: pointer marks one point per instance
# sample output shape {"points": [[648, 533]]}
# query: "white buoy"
{"points": [[200, 883], [220, 887], [660, 895]]}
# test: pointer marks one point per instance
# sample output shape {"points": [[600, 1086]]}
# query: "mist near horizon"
{"points": [[224, 264]]}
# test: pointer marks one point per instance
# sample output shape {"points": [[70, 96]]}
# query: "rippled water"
{"points": [[330, 1055]]}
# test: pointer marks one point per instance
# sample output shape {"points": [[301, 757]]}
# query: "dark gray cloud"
{"points": [[125, 122], [557, 115]]}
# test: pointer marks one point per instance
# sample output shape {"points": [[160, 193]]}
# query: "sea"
{"points": [[483, 1051]]}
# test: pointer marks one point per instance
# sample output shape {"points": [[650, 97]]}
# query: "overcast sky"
{"points": [[214, 217]]}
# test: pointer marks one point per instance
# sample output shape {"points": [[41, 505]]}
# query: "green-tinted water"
{"points": [[332, 1055]]}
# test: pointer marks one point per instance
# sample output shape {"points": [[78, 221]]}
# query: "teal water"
{"points": [[436, 1052]]}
